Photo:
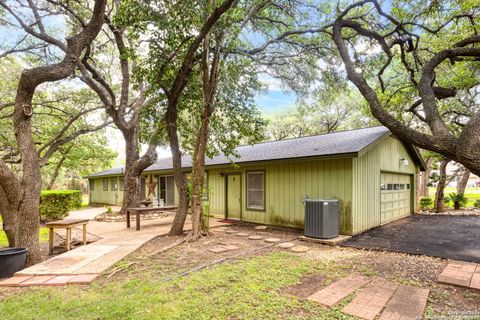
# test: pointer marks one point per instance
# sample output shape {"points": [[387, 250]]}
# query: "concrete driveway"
{"points": [[451, 237]]}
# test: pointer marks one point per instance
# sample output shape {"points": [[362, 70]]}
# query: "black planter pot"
{"points": [[11, 261]]}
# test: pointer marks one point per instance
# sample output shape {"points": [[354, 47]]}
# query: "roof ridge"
{"points": [[311, 136], [335, 143]]}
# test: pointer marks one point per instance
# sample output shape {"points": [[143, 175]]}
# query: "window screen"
{"points": [[92, 185], [256, 190], [105, 184]]}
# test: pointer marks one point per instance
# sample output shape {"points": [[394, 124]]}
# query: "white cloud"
{"points": [[272, 83]]}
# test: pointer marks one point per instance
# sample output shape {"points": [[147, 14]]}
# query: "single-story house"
{"points": [[370, 171]]}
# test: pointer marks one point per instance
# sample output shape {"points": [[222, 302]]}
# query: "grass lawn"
{"points": [[472, 194], [43, 237], [265, 284], [250, 289]]}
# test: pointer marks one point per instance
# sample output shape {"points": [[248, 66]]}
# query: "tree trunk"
{"points": [[198, 175], [131, 193], [8, 218], [442, 182], [134, 166], [59, 165], [180, 181], [425, 178], [178, 85], [27, 213], [462, 181], [210, 73], [27, 196]]}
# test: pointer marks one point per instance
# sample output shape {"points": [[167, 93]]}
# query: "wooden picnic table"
{"points": [[140, 210], [67, 224]]}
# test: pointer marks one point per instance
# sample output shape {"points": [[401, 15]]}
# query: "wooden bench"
{"points": [[67, 224], [141, 210]]}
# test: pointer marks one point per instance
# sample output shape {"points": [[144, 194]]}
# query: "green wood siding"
{"points": [[286, 186], [353, 180], [109, 197], [367, 167]]}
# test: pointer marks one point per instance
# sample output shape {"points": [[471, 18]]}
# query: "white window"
{"points": [[256, 190]]}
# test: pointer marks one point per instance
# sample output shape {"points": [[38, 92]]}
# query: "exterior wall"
{"points": [[354, 181], [99, 196], [383, 156], [286, 185], [155, 175]]}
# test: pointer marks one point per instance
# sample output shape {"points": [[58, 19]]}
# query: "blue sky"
{"points": [[275, 100]]}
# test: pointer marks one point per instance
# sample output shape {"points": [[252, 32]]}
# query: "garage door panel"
{"points": [[395, 195]]}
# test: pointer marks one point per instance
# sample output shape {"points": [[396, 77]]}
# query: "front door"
{"points": [[233, 196], [166, 190]]}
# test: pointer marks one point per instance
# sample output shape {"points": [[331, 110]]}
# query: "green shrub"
{"points": [[426, 203], [459, 200], [477, 203], [55, 204]]}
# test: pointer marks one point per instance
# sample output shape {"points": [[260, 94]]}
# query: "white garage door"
{"points": [[395, 195]]}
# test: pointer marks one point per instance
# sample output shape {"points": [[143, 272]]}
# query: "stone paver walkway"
{"points": [[407, 303], [85, 263], [338, 290], [377, 296], [371, 300], [459, 273]]}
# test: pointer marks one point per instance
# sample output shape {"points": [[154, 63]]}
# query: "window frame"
{"points": [[105, 184], [247, 207], [92, 185]]}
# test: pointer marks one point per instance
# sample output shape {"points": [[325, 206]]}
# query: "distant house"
{"points": [[370, 171]]}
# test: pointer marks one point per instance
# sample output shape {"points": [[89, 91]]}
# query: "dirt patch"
{"points": [[309, 284], [190, 255]]}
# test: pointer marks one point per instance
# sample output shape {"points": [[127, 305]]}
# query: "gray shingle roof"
{"points": [[337, 143], [109, 172]]}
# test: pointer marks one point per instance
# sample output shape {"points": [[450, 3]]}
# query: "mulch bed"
{"points": [[453, 212]]}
